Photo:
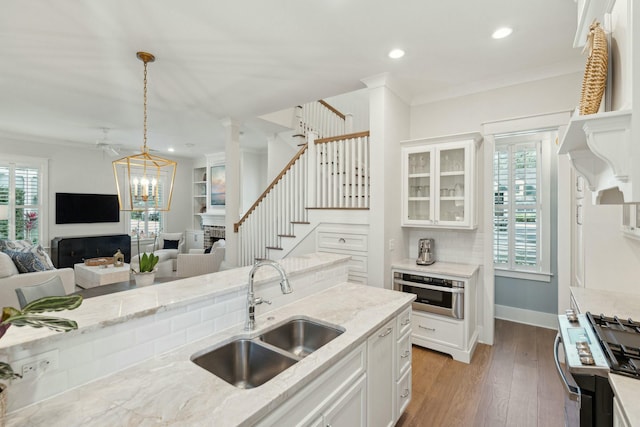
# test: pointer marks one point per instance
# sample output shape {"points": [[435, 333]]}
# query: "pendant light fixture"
{"points": [[144, 181]]}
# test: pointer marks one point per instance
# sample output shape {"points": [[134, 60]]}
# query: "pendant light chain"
{"points": [[145, 108]]}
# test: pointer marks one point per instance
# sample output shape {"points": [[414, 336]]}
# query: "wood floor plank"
{"points": [[511, 383]]}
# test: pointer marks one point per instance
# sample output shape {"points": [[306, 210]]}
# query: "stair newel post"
{"points": [[312, 163]]}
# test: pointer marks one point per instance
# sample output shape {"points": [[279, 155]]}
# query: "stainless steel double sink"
{"points": [[248, 363]]}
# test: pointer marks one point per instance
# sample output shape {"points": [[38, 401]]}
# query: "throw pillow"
{"points": [[31, 259], [170, 244], [208, 250], [15, 245]]}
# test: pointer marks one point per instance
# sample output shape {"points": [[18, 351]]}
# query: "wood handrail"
{"points": [[332, 109], [341, 137], [237, 225]]}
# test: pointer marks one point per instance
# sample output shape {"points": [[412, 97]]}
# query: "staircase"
{"points": [[326, 173]]}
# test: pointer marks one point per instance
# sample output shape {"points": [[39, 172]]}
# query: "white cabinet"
{"points": [[350, 409], [381, 376], [199, 195], [457, 337], [439, 181], [349, 240], [371, 386], [322, 397], [403, 363]]}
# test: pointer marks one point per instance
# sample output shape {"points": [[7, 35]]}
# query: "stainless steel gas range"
{"points": [[593, 347]]}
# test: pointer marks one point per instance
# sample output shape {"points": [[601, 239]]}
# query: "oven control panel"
{"points": [[581, 347]]}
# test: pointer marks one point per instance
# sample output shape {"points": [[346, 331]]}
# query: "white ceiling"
{"points": [[69, 67]]}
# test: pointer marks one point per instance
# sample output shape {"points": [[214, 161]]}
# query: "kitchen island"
{"points": [[625, 306], [167, 388]]}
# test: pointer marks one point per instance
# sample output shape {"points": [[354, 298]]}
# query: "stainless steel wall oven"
{"points": [[433, 294]]}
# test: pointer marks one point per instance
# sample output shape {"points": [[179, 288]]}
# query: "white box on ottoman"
{"points": [[92, 276]]}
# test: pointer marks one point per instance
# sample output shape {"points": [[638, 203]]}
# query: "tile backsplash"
{"points": [[460, 246]]}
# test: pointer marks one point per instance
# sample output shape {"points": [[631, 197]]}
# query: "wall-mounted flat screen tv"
{"points": [[80, 208]]}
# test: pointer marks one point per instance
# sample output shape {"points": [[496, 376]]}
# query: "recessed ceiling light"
{"points": [[171, 150], [501, 33], [396, 53]]}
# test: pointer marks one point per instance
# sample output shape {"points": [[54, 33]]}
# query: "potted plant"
{"points": [[30, 316], [147, 266]]}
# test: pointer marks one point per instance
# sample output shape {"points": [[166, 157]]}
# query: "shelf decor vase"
{"points": [[144, 279]]}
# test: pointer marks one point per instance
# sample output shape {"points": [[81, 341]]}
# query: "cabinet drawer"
{"points": [[404, 354], [345, 241], [404, 322], [403, 393], [438, 329]]}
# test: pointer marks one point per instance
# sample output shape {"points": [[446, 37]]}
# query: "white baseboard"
{"points": [[528, 317]]}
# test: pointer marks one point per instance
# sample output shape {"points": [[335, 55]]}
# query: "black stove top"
{"points": [[620, 340]]}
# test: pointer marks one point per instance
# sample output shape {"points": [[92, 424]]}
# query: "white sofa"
{"points": [[10, 279]]}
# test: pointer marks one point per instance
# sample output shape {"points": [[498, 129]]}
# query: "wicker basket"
{"points": [[595, 73]]}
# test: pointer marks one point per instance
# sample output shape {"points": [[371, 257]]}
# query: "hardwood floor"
{"points": [[512, 383]]}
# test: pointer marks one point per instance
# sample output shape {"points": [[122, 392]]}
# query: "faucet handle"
{"points": [[260, 300]]}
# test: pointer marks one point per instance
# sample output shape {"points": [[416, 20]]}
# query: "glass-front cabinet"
{"points": [[439, 180]]}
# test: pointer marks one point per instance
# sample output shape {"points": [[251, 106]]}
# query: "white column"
{"points": [[233, 187], [389, 124], [311, 170]]}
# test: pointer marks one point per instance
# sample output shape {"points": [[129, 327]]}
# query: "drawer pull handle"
{"points": [[385, 333], [405, 394], [428, 329], [405, 354], [406, 322], [341, 240]]}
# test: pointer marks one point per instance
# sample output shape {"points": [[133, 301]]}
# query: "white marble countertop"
{"points": [[120, 307], [623, 305], [171, 390], [439, 267]]}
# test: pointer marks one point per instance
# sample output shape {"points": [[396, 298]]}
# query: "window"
{"points": [[521, 207], [148, 223], [21, 190]]}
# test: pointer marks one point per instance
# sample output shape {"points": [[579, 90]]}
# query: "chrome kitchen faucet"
{"points": [[252, 300]]}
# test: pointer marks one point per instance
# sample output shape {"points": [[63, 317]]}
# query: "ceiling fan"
{"points": [[112, 150]]}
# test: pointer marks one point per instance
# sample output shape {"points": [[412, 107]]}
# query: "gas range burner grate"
{"points": [[620, 339]]}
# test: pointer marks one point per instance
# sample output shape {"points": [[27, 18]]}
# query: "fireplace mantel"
{"points": [[213, 218]]}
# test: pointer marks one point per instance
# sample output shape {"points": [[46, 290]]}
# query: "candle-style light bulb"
{"points": [[135, 186]]}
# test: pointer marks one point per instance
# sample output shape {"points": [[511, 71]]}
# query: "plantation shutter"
{"points": [[516, 206]]}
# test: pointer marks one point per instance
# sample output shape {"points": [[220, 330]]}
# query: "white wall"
{"points": [[253, 177], [611, 261], [279, 153], [74, 169]]}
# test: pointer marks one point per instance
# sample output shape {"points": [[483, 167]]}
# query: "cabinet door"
{"points": [[350, 410], [453, 177], [418, 187], [380, 376]]}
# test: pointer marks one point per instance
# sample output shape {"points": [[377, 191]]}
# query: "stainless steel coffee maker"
{"points": [[426, 252]]}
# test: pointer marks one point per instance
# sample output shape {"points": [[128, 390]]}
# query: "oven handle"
{"points": [[573, 392], [432, 287]]}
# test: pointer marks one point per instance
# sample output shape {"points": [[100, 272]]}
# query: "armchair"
{"points": [[196, 264], [167, 248]]}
